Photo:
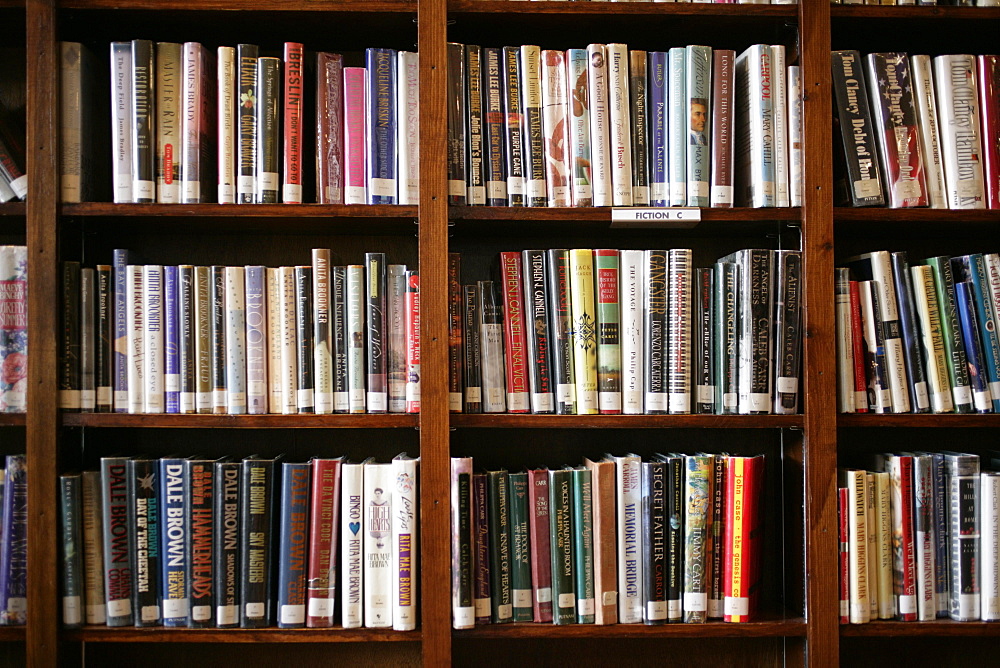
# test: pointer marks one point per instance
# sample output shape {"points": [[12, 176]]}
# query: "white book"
{"points": [[203, 340], [491, 349], [632, 283], [236, 342], [169, 93], [869, 322], [881, 270], [555, 128], [136, 329], [289, 352], [121, 118], [462, 616], [217, 288], [191, 121], [794, 106], [377, 528], [356, 372], [152, 338], [989, 548], [274, 340], [600, 138], [226, 72], [408, 127], [961, 145], [628, 490], [754, 120], [679, 289], [927, 124], [619, 115], [779, 93], [352, 545], [924, 534], [678, 116], [71, 120], [6, 193], [531, 99], [860, 605], [845, 342], [256, 339], [405, 532], [322, 332], [396, 322], [932, 337]]}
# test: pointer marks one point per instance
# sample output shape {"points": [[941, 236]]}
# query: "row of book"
{"points": [[630, 332], [241, 340], [190, 126], [14, 541], [619, 540], [918, 338], [918, 131], [13, 329], [606, 126], [920, 539], [194, 542]]}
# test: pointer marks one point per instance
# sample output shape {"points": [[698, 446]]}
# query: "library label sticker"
{"points": [[683, 217]]}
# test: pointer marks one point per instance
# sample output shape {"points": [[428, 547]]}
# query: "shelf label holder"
{"points": [[648, 217]]}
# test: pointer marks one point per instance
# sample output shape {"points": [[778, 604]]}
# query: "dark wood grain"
{"points": [[767, 628], [943, 217], [899, 13], [622, 8], [163, 420], [504, 420], [923, 420], [248, 5], [12, 633], [274, 211], [334, 635], [940, 628], [13, 208], [13, 419]]}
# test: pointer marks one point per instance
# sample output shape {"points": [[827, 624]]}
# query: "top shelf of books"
{"points": [[247, 5]]}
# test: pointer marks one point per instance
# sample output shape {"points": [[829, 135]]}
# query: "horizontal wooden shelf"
{"points": [[913, 12], [621, 8], [603, 213], [918, 420], [109, 209], [13, 420], [272, 635], [769, 628], [12, 208], [938, 627], [11, 633], [247, 5], [495, 420], [342, 421], [911, 215]]}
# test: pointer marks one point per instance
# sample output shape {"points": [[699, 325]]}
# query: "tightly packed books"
{"points": [[13, 329], [189, 125], [606, 126], [918, 131], [919, 538], [620, 540], [585, 331], [316, 338], [14, 541], [919, 338], [196, 542]]}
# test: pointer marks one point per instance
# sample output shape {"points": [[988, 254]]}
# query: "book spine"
{"points": [[609, 366], [600, 121], [275, 340], [860, 607], [291, 187], [703, 360], [561, 537], [226, 536], [462, 610], [226, 123], [744, 478], [658, 138], [236, 342], [375, 332], [293, 545], [408, 126], [879, 394], [494, 126], [988, 72], [378, 499], [514, 147], [656, 334], [153, 338], [412, 307], [942, 561], [904, 557], [954, 346], [321, 583], [697, 496], [958, 109], [881, 556], [171, 342], [679, 330], [339, 343], [71, 550], [698, 88], [501, 586], [632, 305], [136, 336], [356, 337], [538, 339], [861, 401], [619, 115], [927, 124], [456, 353], [305, 390], [381, 115], [120, 345], [95, 602], [352, 546], [857, 134], [788, 332], [578, 112], [554, 122], [923, 511], [355, 136], [491, 347], [191, 130], [256, 542], [69, 372], [965, 304], [756, 342], [520, 550], [584, 334], [144, 515], [255, 278], [779, 87], [396, 337], [121, 119], [929, 313], [533, 129], [481, 542], [795, 132], [249, 100], [964, 494], [843, 510], [217, 300], [329, 128], [583, 545], [456, 124], [976, 272], [268, 135], [472, 399], [845, 340], [199, 496], [541, 554], [187, 334], [14, 552], [677, 123], [560, 331], [71, 122], [726, 345], [515, 338], [628, 491], [654, 542], [675, 552], [203, 341], [405, 545], [605, 553], [989, 513], [716, 553], [88, 390], [174, 536], [143, 121], [872, 538]]}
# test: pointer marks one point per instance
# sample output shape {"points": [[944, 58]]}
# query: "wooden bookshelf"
{"points": [[766, 628], [507, 420], [275, 635], [174, 421]]}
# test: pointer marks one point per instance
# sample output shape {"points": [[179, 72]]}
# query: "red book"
{"points": [[609, 365], [744, 537], [455, 356], [324, 526], [329, 128], [904, 565], [291, 191], [412, 342], [481, 550], [845, 541], [515, 338], [723, 131], [989, 105], [538, 532], [858, 344]]}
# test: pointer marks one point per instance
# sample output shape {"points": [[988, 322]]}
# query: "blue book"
{"points": [[972, 268], [171, 341], [659, 177], [965, 304], [144, 520], [173, 542], [916, 374], [119, 346], [677, 106], [14, 553], [293, 545], [381, 131]]}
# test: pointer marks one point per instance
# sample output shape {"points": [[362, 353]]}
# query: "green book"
{"points": [[561, 540], [583, 544], [697, 539], [502, 607], [954, 345], [520, 547]]}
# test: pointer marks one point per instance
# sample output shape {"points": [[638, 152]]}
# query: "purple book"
{"points": [[256, 319], [481, 549], [171, 321], [381, 115], [14, 554]]}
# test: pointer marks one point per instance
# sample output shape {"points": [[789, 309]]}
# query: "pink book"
{"points": [[291, 191], [354, 135]]}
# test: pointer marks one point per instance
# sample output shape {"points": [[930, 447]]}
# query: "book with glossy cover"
{"points": [[228, 110], [117, 541], [14, 331], [619, 114], [628, 491], [859, 605], [972, 269], [744, 537], [380, 64], [788, 331], [88, 391], [955, 88], [494, 128], [462, 610], [718, 546], [352, 545], [395, 320], [405, 541], [291, 187], [600, 120], [988, 72], [697, 546], [121, 119], [236, 342], [153, 338], [481, 538], [632, 288], [513, 279], [534, 264], [304, 344], [144, 514], [560, 330], [69, 359], [702, 359], [293, 544], [638, 99], [376, 279], [554, 128], [904, 561], [71, 575], [323, 541], [197, 125], [246, 138], [723, 137], [561, 543], [609, 372], [408, 127], [654, 543], [675, 549], [339, 343], [879, 396], [514, 139], [779, 102], [659, 178], [540, 542], [255, 309], [14, 551], [456, 353], [226, 537], [355, 136], [578, 131], [456, 124], [257, 536], [143, 122], [584, 332], [916, 372], [501, 586], [171, 341], [862, 173], [679, 330], [656, 335], [534, 137], [954, 345], [677, 122], [491, 347], [171, 77], [412, 305], [268, 133], [962, 475], [472, 373], [329, 128], [520, 547], [476, 151], [199, 515], [583, 545], [698, 88], [379, 585], [95, 607], [175, 567]]}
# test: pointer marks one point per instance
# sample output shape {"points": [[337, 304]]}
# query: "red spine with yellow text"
{"points": [[515, 338], [744, 537]]}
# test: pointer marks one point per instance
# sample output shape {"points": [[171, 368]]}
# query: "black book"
{"points": [[69, 364], [655, 341], [560, 331], [561, 542], [536, 308], [755, 304], [246, 88], [463, 581], [473, 370], [704, 361], [257, 542], [143, 119], [217, 297], [226, 534], [514, 146], [144, 519], [502, 600], [788, 331], [269, 95], [304, 338], [338, 328], [376, 281], [495, 126], [456, 124], [654, 542], [916, 371], [534, 140], [103, 336], [861, 165], [640, 139], [476, 193], [199, 508]]}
